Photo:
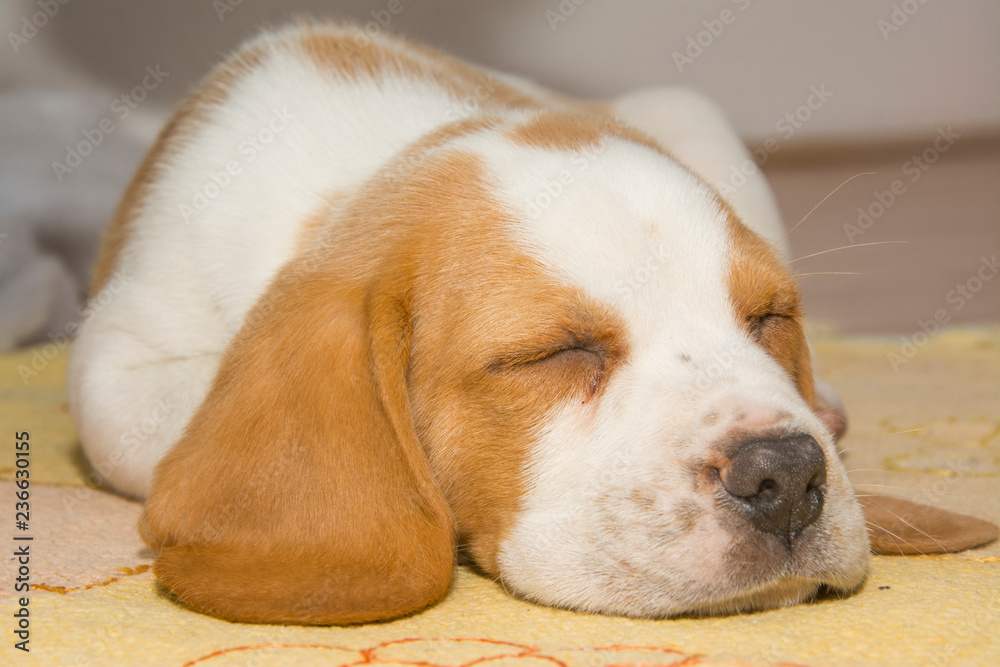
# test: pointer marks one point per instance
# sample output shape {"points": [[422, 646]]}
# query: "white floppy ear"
{"points": [[299, 492]]}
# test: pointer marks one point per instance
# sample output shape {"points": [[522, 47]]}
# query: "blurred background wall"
{"points": [[895, 68], [839, 88]]}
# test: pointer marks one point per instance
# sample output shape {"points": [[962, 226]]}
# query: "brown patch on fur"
{"points": [[213, 91], [560, 130], [352, 53], [766, 302]]}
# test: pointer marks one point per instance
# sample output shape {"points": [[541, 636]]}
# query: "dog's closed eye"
{"points": [[582, 365], [576, 363]]}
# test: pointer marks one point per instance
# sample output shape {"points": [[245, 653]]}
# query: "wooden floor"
{"points": [[947, 210]]}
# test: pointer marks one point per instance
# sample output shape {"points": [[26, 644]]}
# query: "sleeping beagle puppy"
{"points": [[366, 309]]}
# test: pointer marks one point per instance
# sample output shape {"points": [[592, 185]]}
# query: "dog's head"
{"points": [[544, 339]]}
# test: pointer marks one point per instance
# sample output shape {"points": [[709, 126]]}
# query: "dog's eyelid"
{"points": [[595, 350], [784, 306], [770, 315], [760, 323], [528, 355]]}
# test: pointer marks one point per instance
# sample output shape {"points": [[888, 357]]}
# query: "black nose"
{"points": [[777, 484]]}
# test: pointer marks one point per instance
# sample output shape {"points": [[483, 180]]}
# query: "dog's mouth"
{"points": [[752, 575], [780, 567], [784, 591]]}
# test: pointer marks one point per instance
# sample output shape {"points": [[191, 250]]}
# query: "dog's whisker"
{"points": [[897, 539], [843, 247], [499, 580], [806, 216], [873, 439], [882, 486], [829, 273], [871, 494], [919, 530]]}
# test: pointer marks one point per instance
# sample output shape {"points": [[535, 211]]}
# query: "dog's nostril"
{"points": [[777, 483], [767, 488]]}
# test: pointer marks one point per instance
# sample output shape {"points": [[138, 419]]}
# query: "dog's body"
{"points": [[372, 300]]}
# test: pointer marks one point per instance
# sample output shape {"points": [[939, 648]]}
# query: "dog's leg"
{"points": [[135, 379]]}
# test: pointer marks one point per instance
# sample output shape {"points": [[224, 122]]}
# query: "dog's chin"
{"points": [[783, 592], [791, 587]]}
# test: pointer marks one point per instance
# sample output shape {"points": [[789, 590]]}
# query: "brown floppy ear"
{"points": [[299, 492], [897, 527]]}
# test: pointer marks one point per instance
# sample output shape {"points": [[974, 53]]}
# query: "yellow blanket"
{"points": [[926, 428]]}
